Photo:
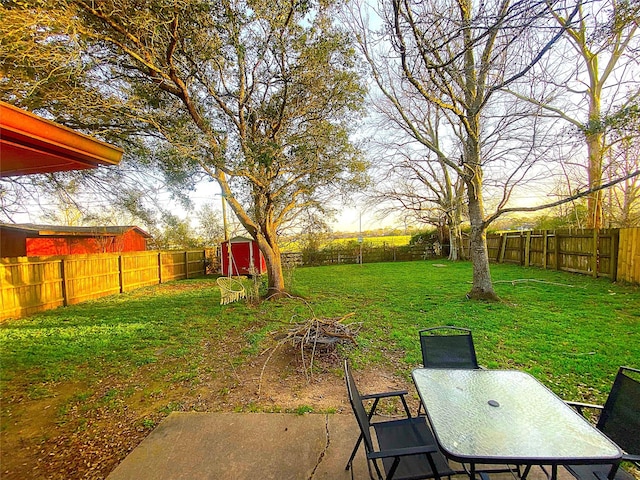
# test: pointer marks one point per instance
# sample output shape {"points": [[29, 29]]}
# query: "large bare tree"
{"points": [[457, 56], [410, 171], [410, 155], [590, 78]]}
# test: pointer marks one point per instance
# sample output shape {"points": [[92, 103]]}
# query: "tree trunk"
{"points": [[273, 259], [455, 236], [594, 201], [453, 245], [263, 233], [482, 288], [455, 221], [594, 137]]}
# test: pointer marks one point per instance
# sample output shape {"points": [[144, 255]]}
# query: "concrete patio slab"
{"points": [[239, 446], [244, 446]]}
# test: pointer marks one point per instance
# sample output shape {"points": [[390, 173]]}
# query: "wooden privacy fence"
{"points": [[612, 253], [33, 284]]}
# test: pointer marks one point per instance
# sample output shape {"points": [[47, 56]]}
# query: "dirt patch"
{"points": [[84, 430]]}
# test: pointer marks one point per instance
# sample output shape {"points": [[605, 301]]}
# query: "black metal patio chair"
{"points": [[406, 447], [620, 421], [448, 347]]}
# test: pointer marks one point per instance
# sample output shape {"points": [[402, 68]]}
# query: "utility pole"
{"points": [[226, 234], [360, 239]]}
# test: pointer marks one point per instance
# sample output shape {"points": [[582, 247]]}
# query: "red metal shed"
{"points": [[246, 257], [30, 240]]}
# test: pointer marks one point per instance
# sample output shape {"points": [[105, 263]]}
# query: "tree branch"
{"points": [[562, 201]]}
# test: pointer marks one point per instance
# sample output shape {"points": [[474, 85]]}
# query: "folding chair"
{"points": [[620, 421], [407, 449], [447, 347]]}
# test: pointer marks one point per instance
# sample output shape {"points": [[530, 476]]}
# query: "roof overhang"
{"points": [[34, 230], [30, 144]]}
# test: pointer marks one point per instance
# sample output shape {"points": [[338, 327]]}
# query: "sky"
{"points": [[352, 218]]}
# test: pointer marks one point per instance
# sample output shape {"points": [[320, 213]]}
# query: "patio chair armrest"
{"points": [[628, 457], [583, 405], [580, 405], [398, 393], [377, 396], [401, 452]]}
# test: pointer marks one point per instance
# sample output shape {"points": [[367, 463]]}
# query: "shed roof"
{"points": [[239, 239], [57, 230], [30, 144]]}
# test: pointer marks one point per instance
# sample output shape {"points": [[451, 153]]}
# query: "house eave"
{"points": [[30, 144]]}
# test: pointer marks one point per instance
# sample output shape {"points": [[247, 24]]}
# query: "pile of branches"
{"points": [[321, 333], [314, 335]]}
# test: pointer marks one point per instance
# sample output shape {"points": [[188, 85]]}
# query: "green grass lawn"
{"points": [[570, 331], [81, 386]]}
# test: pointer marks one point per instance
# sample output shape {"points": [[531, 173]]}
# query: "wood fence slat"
{"points": [[629, 255]]}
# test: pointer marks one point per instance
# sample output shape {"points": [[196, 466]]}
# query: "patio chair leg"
{"points": [[360, 438], [612, 472], [394, 466], [353, 454], [406, 407]]}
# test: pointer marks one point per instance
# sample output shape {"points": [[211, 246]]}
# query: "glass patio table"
{"points": [[507, 417]]}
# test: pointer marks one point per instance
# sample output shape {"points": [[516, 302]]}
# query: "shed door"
{"points": [[241, 252]]}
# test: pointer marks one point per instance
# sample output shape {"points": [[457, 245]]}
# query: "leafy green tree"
{"points": [[608, 42], [623, 200], [259, 96], [567, 216], [211, 226], [174, 233]]}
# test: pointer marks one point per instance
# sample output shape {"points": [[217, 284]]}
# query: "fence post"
{"points": [[120, 274], [545, 239], [527, 249], [521, 248], [159, 267], [503, 247], [65, 287], [557, 249], [594, 258], [615, 245], [186, 264]]}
